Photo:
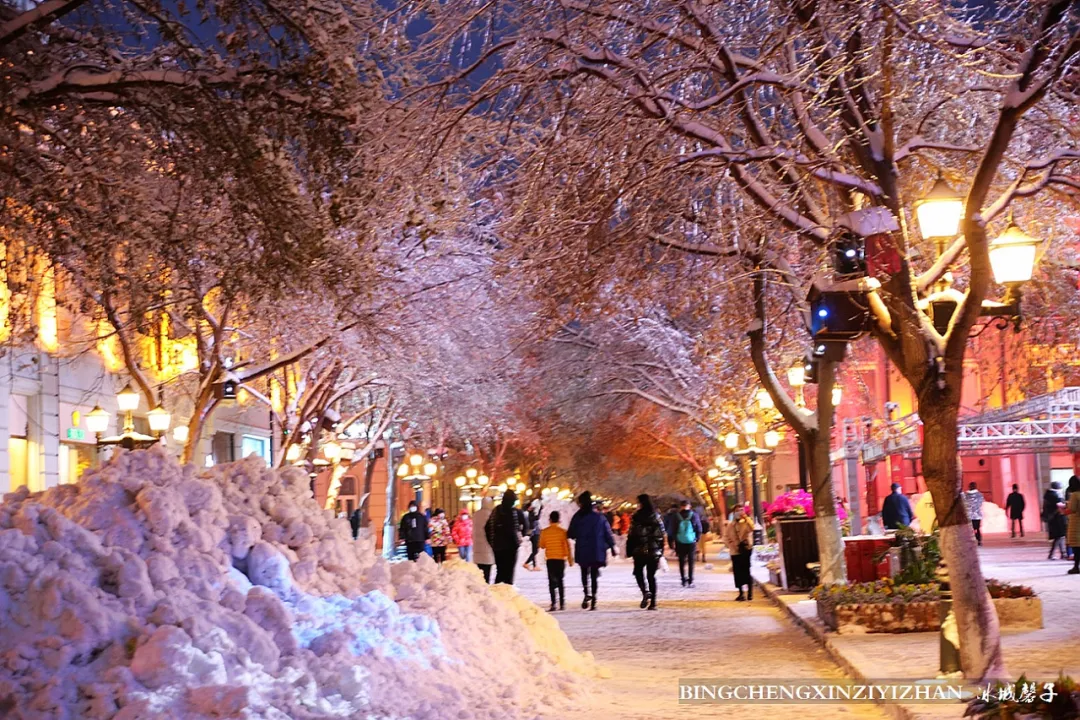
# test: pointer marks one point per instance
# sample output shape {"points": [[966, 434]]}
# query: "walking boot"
{"points": [[552, 608], [592, 602], [741, 598], [644, 600], [585, 603], [652, 602], [749, 592]]}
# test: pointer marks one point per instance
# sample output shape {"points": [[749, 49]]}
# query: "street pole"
{"points": [[851, 460], [759, 528]]}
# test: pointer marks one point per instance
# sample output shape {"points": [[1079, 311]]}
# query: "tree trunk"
{"points": [[977, 622], [826, 521]]}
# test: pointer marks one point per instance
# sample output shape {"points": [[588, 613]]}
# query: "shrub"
{"points": [[877, 592]]}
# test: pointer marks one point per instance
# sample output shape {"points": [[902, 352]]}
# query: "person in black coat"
{"points": [[1056, 524], [1015, 505], [504, 530], [413, 531], [354, 523], [645, 543], [896, 510]]}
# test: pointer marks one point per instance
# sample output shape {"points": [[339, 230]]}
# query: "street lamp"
{"points": [[753, 452], [1012, 256], [417, 471], [159, 419], [127, 400], [764, 399], [939, 212], [97, 420], [471, 485]]}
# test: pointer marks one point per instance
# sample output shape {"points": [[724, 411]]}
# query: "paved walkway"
{"points": [[696, 633]]}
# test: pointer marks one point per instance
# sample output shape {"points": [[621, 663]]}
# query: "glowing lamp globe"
{"points": [[293, 453], [483, 480], [528, 492], [431, 469], [403, 470], [719, 461], [471, 473], [180, 433], [127, 399], [520, 487], [731, 441], [97, 420], [1012, 256], [837, 395], [332, 451], [772, 439], [750, 427], [796, 375], [501, 487], [416, 460], [940, 211], [764, 399], [713, 473], [460, 481], [159, 419]]}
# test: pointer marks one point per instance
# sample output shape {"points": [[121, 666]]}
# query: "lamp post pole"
{"points": [[759, 527]]}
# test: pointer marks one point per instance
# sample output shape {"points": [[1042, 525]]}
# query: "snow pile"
{"points": [[148, 590]]}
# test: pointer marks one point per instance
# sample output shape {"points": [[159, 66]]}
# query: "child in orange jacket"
{"points": [[556, 547]]}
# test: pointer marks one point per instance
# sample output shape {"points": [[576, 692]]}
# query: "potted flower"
{"points": [[793, 516]]}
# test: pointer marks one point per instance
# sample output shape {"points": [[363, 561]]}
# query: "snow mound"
{"points": [[150, 590]]}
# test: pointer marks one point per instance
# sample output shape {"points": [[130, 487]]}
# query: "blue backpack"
{"points": [[685, 533]]}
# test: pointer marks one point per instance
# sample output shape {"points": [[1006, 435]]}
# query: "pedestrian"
{"points": [[896, 509], [505, 529], [590, 531], [624, 521], [687, 532], [1015, 504], [645, 543], [461, 532], [973, 504], [413, 531], [739, 537], [1056, 522], [671, 523], [703, 541], [354, 523], [1072, 510], [534, 533], [482, 554], [439, 534], [553, 541]]}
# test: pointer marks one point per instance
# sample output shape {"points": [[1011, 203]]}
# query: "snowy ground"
{"points": [[697, 633]]}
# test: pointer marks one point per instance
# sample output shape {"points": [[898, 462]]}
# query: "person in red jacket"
{"points": [[462, 534]]}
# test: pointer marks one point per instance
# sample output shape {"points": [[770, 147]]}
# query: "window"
{"points": [[222, 447], [252, 445], [18, 452]]}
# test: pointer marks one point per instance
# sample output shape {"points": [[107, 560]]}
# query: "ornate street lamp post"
{"points": [[752, 452]]}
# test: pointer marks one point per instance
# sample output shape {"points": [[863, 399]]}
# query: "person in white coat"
{"points": [[483, 555]]}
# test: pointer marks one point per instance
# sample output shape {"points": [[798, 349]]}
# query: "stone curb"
{"points": [[897, 711]]}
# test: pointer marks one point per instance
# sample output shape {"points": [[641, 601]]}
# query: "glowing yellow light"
{"points": [[127, 399], [796, 375], [460, 481], [45, 306], [1012, 256], [731, 440], [332, 451], [431, 469], [765, 400], [416, 460], [940, 211], [520, 487], [750, 427], [713, 473], [471, 473], [180, 433], [772, 439], [403, 470], [97, 420], [159, 419], [837, 395]]}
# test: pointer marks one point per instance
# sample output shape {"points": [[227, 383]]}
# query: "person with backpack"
{"points": [[504, 530], [687, 532], [593, 538], [645, 543], [556, 547], [413, 531]]}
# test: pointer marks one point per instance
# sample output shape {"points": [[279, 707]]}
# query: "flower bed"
{"points": [[794, 504], [884, 606]]}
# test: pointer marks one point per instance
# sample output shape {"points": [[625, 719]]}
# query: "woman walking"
{"points": [[645, 543], [482, 554], [593, 538], [440, 535], [1072, 509], [504, 529], [462, 534], [737, 537]]}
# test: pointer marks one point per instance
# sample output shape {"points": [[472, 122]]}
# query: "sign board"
{"points": [[74, 433]]}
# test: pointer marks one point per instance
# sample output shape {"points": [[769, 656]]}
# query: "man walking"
{"points": [[973, 504], [1014, 504], [687, 532], [504, 530], [413, 531], [896, 509]]}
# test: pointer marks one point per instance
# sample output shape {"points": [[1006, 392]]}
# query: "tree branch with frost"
{"points": [[41, 14]]}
